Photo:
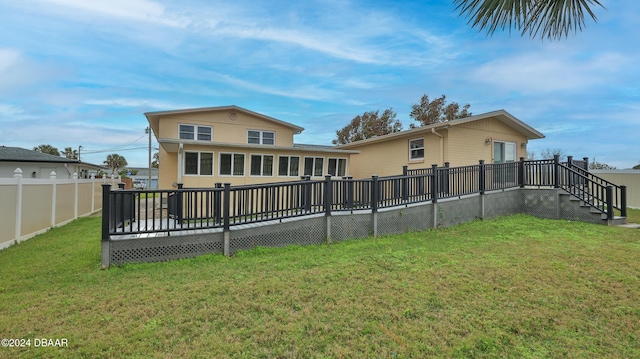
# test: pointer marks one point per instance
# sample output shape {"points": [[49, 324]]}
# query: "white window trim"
{"points": [[262, 137], [515, 150], [415, 149], [273, 164], [288, 166], [244, 164], [346, 166], [195, 132], [184, 164], [314, 165]]}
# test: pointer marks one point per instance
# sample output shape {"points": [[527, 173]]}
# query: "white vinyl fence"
{"points": [[629, 178], [30, 206]]}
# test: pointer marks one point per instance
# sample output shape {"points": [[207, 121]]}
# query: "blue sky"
{"points": [[77, 72]]}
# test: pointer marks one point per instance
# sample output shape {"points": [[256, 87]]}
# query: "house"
{"points": [[495, 137], [142, 174], [203, 146], [229, 144], [40, 165]]}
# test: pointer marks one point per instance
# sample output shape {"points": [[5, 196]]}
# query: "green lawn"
{"points": [[514, 287]]}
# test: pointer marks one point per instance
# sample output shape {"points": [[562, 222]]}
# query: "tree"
{"points": [[552, 19], [123, 172], [636, 167], [429, 112], [549, 153], [368, 125], [115, 161], [70, 153], [156, 160], [595, 165], [48, 149]]}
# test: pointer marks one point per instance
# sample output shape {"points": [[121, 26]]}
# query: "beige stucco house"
{"points": [[230, 144], [494, 137], [200, 147]]}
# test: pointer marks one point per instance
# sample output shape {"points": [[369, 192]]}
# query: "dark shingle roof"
{"points": [[17, 154]]}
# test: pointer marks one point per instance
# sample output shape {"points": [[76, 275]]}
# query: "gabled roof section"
{"points": [[17, 154], [501, 115], [154, 117]]}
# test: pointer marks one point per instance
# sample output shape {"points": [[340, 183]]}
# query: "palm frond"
{"points": [[552, 19]]}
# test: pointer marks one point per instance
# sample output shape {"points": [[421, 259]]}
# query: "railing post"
{"points": [[106, 210], [374, 193], [306, 193], [405, 170], [217, 205], [434, 183], [226, 208], [179, 203], [586, 163], [482, 177], [623, 201], [328, 195], [405, 186], [521, 173], [106, 226], [556, 171], [569, 161], [609, 202]]}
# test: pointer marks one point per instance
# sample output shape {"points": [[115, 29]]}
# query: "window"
{"points": [[416, 149], [261, 165], [232, 164], [337, 166], [288, 166], [313, 166], [504, 152], [198, 163], [261, 137], [188, 132]]}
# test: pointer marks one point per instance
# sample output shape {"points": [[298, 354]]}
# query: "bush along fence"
{"points": [[32, 206], [183, 222]]}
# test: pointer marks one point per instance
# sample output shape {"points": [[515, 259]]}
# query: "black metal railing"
{"points": [[223, 206]]}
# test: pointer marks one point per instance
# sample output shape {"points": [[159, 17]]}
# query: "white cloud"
{"points": [[137, 10], [132, 102], [550, 71]]}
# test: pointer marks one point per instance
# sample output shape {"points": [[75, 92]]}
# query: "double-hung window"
{"points": [[231, 164], [262, 165], [313, 166], [288, 166], [198, 163], [416, 149], [195, 132], [337, 166], [258, 137]]}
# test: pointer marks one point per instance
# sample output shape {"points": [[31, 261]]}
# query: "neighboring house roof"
{"points": [[144, 171], [501, 115], [154, 117], [17, 154]]}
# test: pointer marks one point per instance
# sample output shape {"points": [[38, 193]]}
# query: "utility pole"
{"points": [[79, 148], [148, 130]]}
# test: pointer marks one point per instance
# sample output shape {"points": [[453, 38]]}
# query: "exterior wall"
{"points": [[466, 145], [629, 178], [386, 158], [42, 170], [225, 130], [169, 166]]}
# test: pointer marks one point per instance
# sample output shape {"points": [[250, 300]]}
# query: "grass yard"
{"points": [[516, 286]]}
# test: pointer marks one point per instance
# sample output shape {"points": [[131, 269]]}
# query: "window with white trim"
{"points": [[258, 137], [337, 167], [198, 163], [416, 149], [313, 166], [261, 165], [231, 164], [195, 132], [288, 166]]}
